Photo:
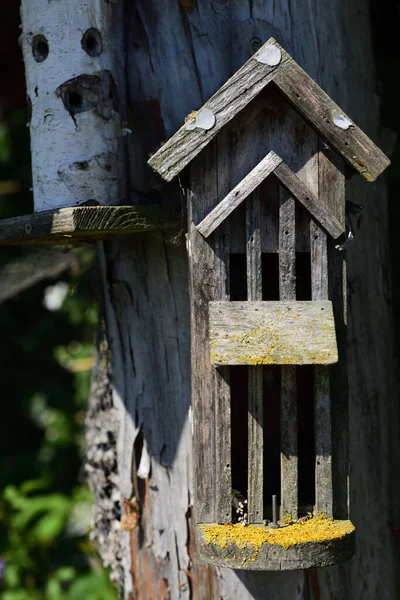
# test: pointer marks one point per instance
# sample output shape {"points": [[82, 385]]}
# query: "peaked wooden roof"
{"points": [[271, 64], [271, 164]]}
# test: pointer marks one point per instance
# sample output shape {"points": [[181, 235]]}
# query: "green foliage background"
{"points": [[45, 371]]}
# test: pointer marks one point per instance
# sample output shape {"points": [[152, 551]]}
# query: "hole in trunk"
{"points": [[75, 100], [92, 42], [40, 48]]}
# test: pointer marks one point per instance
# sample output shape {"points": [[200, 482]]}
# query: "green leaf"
{"points": [[95, 586], [53, 590]]}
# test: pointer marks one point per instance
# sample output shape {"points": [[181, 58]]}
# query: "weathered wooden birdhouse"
{"points": [[266, 205]]}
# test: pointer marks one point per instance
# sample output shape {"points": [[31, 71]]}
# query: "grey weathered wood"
{"points": [[234, 95], [322, 397], [273, 557], [208, 276], [302, 91], [332, 192], [255, 496], [352, 144], [287, 247], [256, 333], [85, 224], [288, 414], [174, 70], [238, 194], [323, 443], [299, 190]]}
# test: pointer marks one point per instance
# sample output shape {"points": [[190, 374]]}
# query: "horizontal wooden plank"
{"points": [[329, 120], [300, 191], [238, 194], [234, 95], [86, 224], [264, 333]]}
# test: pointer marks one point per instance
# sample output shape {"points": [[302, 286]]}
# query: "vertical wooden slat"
{"points": [[322, 397], [332, 194], [255, 484], [287, 291], [222, 395], [208, 272]]}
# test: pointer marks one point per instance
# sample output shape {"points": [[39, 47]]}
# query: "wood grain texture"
{"points": [[238, 194], [288, 414], [332, 192], [257, 333], [273, 557], [352, 144], [208, 277], [176, 58], [234, 95], [322, 396], [85, 224], [307, 97], [255, 463], [299, 190]]}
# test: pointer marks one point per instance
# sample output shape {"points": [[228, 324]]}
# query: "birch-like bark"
{"points": [[73, 65]]}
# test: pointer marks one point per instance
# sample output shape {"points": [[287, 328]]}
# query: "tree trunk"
{"points": [[177, 54], [73, 63]]}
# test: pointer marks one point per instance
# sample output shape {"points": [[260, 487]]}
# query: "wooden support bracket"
{"points": [[85, 224], [271, 164]]}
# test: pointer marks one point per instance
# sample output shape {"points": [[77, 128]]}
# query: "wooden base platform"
{"points": [[253, 550], [86, 224]]}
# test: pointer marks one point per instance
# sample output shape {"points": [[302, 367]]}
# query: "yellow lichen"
{"points": [[317, 529]]}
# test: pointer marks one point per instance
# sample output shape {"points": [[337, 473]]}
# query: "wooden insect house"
{"points": [[267, 229]]}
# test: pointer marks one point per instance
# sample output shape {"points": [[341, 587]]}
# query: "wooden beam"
{"points": [[300, 191], [264, 333], [288, 415], [234, 95], [86, 224], [211, 397], [331, 185], [328, 119], [323, 114], [255, 485], [238, 194]]}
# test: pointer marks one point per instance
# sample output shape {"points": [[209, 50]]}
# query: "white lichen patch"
{"points": [[340, 120], [271, 56], [204, 119]]}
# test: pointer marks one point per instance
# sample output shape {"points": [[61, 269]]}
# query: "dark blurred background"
{"points": [[46, 354]]}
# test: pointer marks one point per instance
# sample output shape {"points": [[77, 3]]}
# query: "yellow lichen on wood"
{"points": [[318, 529], [264, 333]]}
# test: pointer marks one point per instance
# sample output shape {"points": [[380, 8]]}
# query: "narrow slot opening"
{"points": [[238, 277], [272, 436], [239, 394], [270, 276], [306, 437], [303, 276], [239, 402]]}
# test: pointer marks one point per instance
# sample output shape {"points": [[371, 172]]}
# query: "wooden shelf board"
{"points": [[273, 557], [279, 333], [86, 224]]}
